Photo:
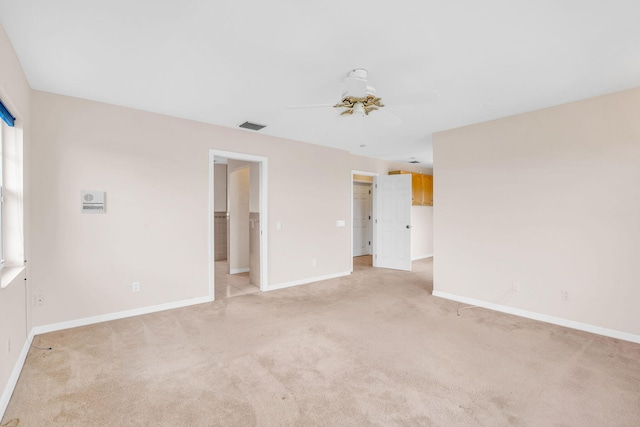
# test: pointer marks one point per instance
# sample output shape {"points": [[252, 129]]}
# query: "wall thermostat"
{"points": [[93, 202]]}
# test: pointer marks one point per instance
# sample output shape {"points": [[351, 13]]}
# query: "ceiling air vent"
{"points": [[252, 126]]}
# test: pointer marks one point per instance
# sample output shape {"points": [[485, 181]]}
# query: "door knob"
{"points": [[408, 226]]}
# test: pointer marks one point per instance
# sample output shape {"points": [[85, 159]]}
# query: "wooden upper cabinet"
{"points": [[427, 185], [422, 188], [417, 188]]}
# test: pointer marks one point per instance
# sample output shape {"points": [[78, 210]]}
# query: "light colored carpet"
{"points": [[374, 348]]}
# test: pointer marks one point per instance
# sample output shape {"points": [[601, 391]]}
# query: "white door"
{"points": [[392, 226], [361, 219]]}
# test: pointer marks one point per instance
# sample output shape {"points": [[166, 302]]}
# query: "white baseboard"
{"points": [[305, 281], [238, 270], [15, 374], [422, 257], [117, 315], [625, 336]]}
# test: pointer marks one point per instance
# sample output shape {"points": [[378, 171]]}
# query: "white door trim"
{"points": [[363, 173], [263, 189]]}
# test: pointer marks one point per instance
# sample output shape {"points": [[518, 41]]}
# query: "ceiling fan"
{"points": [[360, 99]]}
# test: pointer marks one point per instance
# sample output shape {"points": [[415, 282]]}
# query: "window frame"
{"points": [[4, 128]]}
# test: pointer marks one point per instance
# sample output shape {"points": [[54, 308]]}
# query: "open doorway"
{"points": [[390, 220], [362, 218], [237, 210], [362, 214]]}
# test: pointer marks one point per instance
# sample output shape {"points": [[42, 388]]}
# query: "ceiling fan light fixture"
{"points": [[359, 73], [361, 106]]}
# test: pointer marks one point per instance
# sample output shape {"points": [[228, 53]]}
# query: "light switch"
{"points": [[278, 225], [341, 223]]}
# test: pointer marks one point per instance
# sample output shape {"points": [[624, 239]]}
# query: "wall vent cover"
{"points": [[252, 126]]}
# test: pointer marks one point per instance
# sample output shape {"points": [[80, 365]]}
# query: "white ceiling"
{"points": [[228, 61]]}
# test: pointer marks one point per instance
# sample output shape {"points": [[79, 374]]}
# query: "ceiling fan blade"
{"points": [[293, 107], [428, 97]]}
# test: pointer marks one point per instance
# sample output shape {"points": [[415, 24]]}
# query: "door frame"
{"points": [[263, 190], [373, 210]]}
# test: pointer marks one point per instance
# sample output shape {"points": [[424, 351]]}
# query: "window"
{"points": [[3, 136], [11, 221]]}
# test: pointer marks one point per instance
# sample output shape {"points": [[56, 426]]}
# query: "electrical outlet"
{"points": [[564, 294], [314, 262], [515, 286], [135, 287], [38, 300]]}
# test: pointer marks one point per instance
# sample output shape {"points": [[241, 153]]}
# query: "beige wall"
{"points": [[254, 184], [14, 324], [421, 232], [155, 172], [550, 199]]}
